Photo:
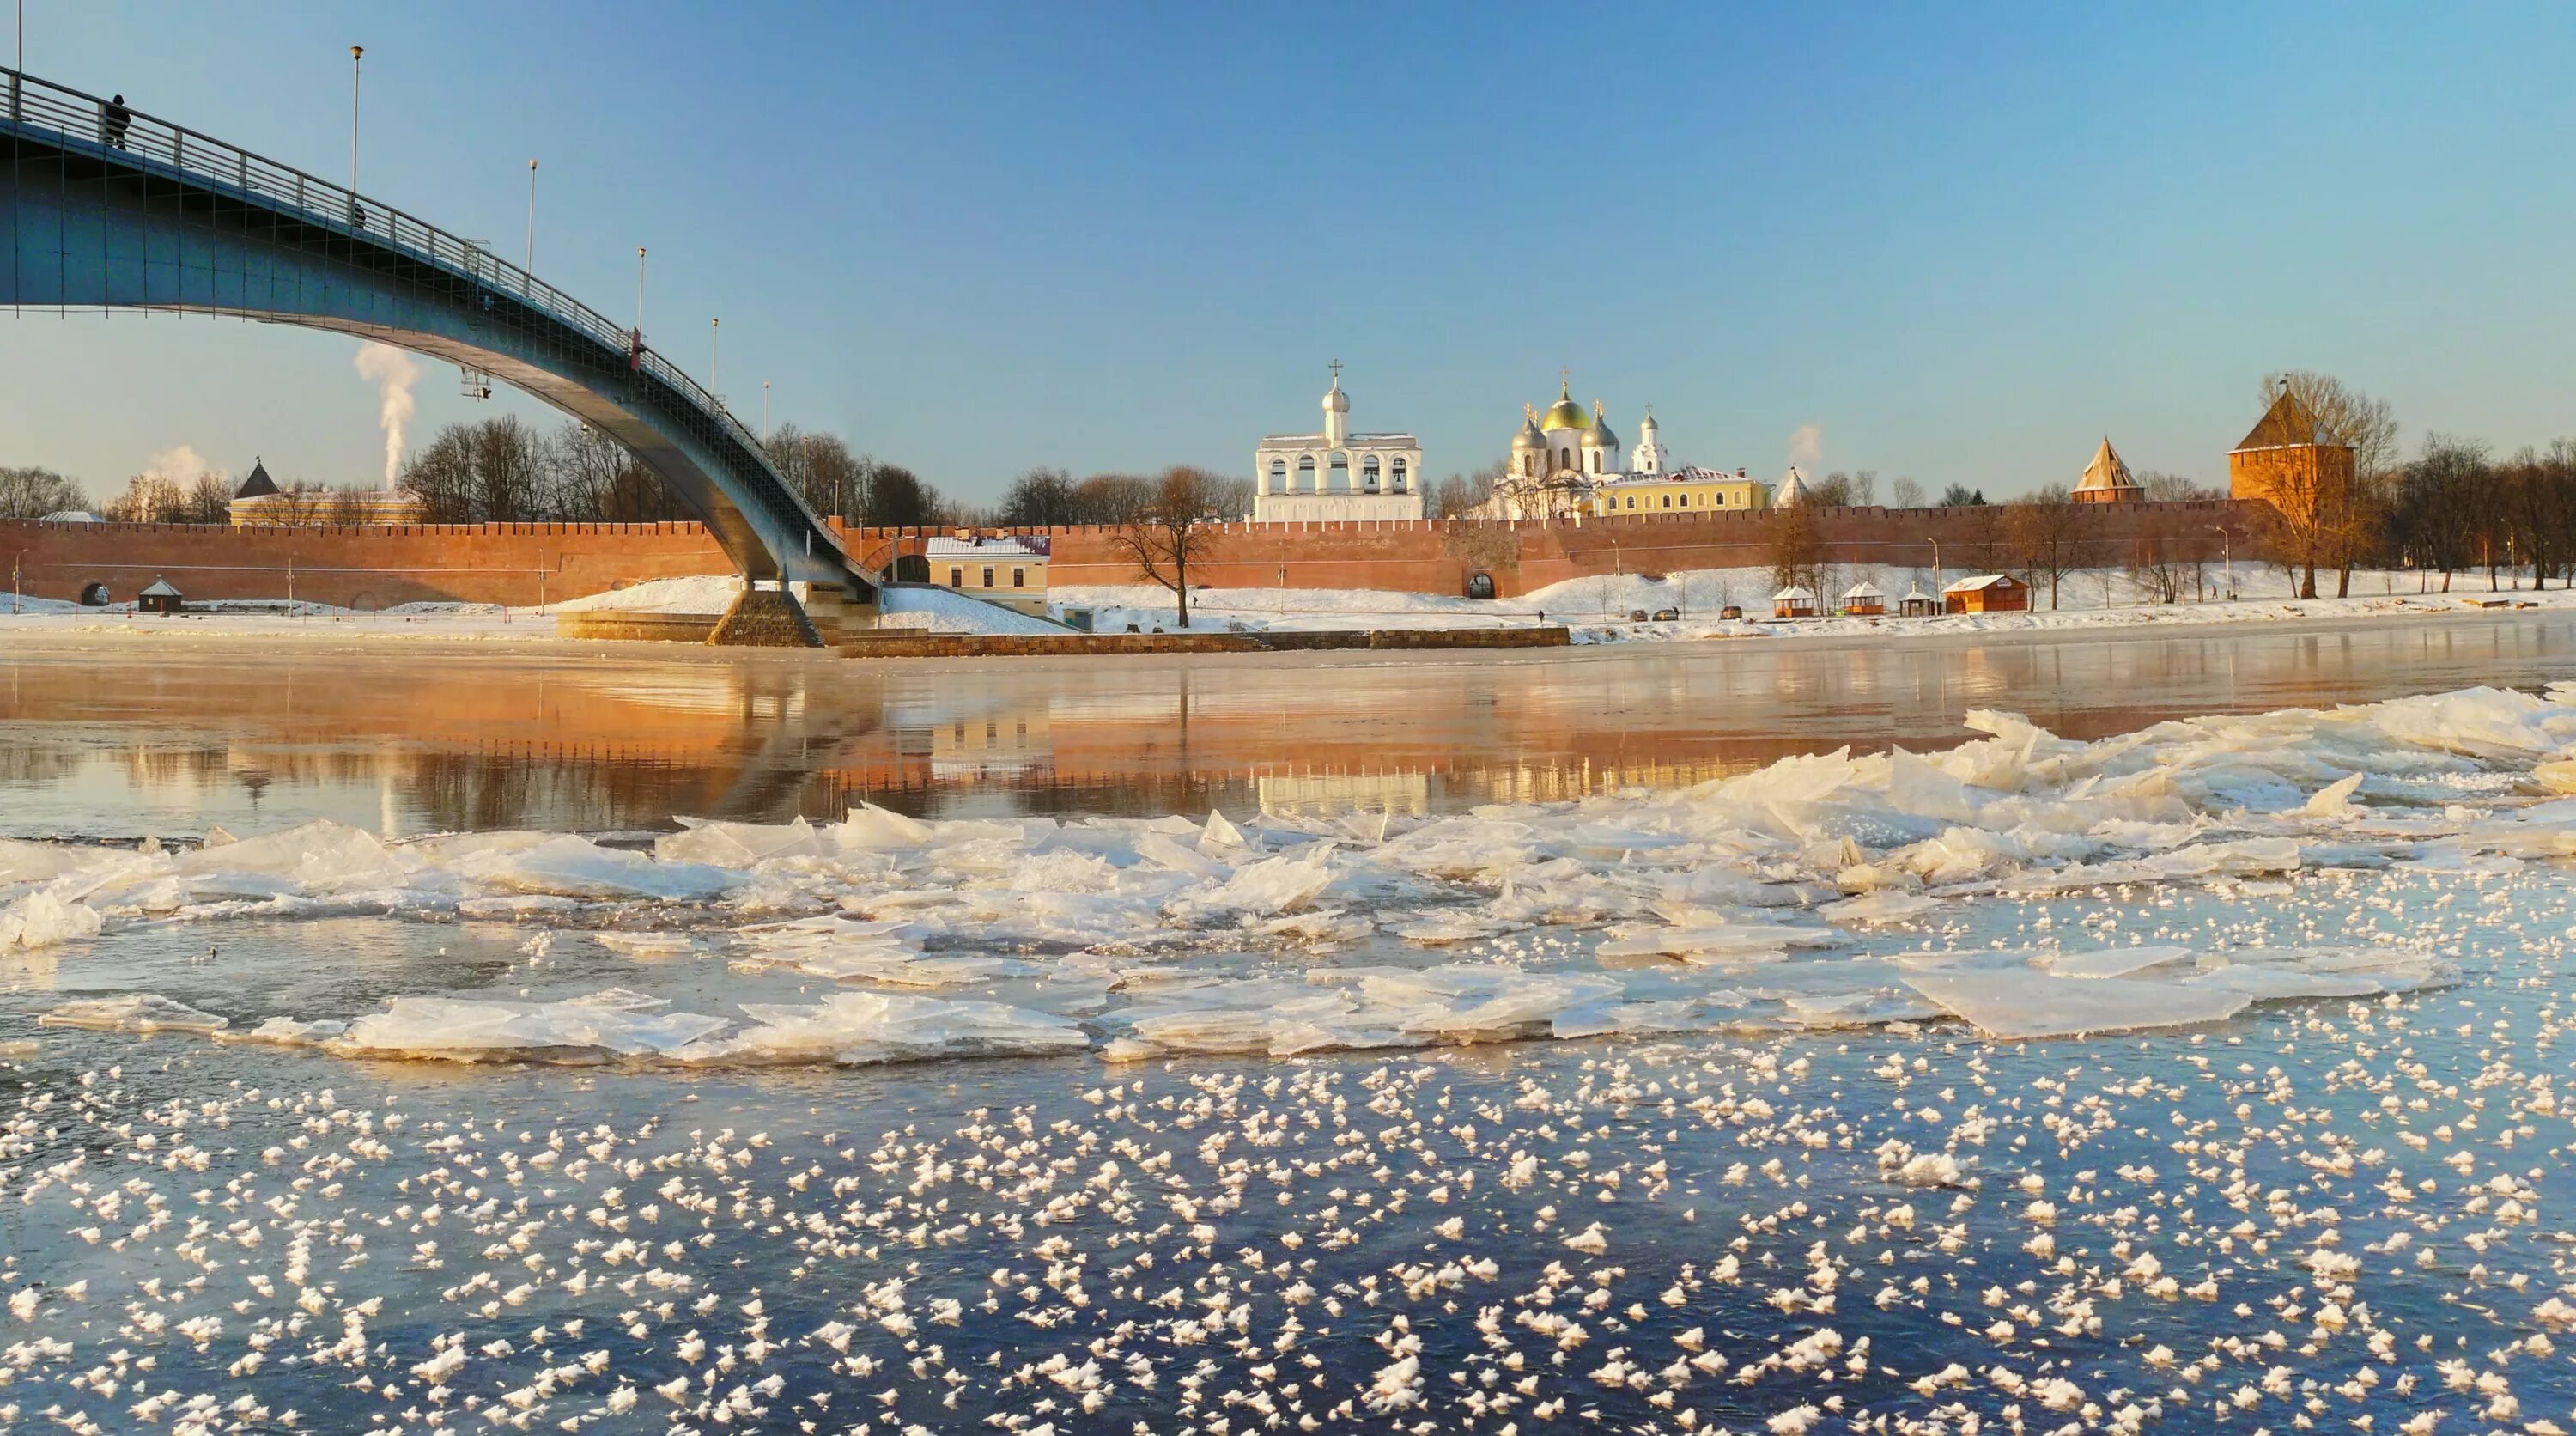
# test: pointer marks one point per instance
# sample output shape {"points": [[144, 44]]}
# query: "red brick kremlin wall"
{"points": [[375, 567]]}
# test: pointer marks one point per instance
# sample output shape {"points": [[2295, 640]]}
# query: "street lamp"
{"points": [[531, 266], [639, 304], [2228, 553], [356, 53], [715, 361]]}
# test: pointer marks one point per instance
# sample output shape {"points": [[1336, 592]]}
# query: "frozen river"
{"points": [[1507, 1044], [166, 738]]}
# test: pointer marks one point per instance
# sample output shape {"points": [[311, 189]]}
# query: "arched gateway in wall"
{"points": [[101, 207]]}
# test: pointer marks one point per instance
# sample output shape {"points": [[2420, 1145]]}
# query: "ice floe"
{"points": [[1846, 882]]}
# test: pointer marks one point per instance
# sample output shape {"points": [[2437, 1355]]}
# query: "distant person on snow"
{"points": [[119, 120]]}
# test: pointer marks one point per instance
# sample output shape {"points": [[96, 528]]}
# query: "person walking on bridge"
{"points": [[117, 121]]}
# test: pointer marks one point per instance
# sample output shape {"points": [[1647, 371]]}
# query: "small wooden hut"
{"points": [[1986, 593], [160, 598]]}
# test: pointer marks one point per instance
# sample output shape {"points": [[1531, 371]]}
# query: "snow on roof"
{"points": [[70, 516], [1983, 580], [160, 589], [1863, 590], [1015, 546], [1791, 593], [1916, 595]]}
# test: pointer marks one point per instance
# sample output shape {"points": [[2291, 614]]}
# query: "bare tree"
{"points": [[1173, 530], [1794, 545], [209, 501], [2047, 534], [148, 499], [1113, 498], [1040, 498], [32, 493], [301, 505], [2165, 557], [1904, 493], [2438, 503], [2323, 516], [1461, 495], [348, 508], [2163, 488]]}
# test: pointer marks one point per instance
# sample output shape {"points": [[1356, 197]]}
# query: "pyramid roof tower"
{"points": [[2107, 478], [2289, 424], [1792, 490], [259, 485]]}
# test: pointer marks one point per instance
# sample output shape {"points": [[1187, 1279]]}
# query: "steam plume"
{"points": [[182, 465], [393, 373], [1807, 447]]}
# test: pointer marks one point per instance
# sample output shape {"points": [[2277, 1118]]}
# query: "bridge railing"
{"points": [[104, 126]]}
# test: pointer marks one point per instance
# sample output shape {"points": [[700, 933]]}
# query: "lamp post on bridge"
{"points": [[639, 307], [357, 54], [715, 362], [764, 412], [531, 266]]}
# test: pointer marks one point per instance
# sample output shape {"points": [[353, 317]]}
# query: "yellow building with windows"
{"points": [[1010, 571], [1683, 492]]}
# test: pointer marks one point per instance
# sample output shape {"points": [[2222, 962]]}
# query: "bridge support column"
{"points": [[765, 618]]}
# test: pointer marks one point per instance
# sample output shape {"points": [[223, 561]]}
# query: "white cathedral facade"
{"points": [[1337, 475]]}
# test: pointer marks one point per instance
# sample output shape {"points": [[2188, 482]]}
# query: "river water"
{"points": [[1286, 1168], [170, 738]]}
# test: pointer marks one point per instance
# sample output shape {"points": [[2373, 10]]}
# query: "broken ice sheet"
{"points": [[41, 919], [2016, 1005], [131, 1012], [852, 1028], [482, 1030]]}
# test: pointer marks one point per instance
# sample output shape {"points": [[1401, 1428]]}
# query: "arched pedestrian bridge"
{"points": [[104, 207]]}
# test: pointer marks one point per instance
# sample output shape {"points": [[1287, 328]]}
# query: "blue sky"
{"points": [[1962, 241]]}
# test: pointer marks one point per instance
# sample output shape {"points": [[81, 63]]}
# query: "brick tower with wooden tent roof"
{"points": [[2107, 479], [2290, 459]]}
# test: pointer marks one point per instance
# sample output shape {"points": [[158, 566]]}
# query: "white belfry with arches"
{"points": [[1336, 475]]}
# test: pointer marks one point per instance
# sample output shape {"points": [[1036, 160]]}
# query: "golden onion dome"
{"points": [[1565, 413]]}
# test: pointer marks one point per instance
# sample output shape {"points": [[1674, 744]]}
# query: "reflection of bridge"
{"points": [[102, 207]]}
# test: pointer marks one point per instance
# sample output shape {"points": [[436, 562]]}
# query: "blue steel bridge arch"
{"points": [[104, 207]]}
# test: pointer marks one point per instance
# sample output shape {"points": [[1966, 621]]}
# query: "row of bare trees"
{"points": [[32, 493], [2453, 507], [1047, 498], [2044, 540]]}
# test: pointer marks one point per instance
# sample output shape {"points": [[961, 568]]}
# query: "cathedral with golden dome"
{"points": [[1567, 463]]}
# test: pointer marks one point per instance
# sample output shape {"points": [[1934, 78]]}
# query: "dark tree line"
{"points": [[503, 470], [1046, 498], [2456, 509], [32, 493]]}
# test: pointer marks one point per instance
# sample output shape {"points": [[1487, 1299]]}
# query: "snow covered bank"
{"points": [[1600, 609], [940, 610], [1823, 891]]}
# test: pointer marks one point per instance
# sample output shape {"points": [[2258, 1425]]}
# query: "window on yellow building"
{"points": [[1019, 578], [957, 578], [988, 578]]}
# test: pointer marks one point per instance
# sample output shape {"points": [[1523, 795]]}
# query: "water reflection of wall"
{"points": [[180, 737], [1324, 794]]}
